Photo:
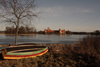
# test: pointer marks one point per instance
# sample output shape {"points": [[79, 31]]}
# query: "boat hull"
{"points": [[19, 54]]}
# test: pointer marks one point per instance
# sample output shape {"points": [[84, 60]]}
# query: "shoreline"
{"points": [[43, 34], [18, 34], [23, 34], [37, 44]]}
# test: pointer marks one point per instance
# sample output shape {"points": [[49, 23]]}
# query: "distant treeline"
{"points": [[2, 31], [97, 32], [32, 30], [22, 30]]}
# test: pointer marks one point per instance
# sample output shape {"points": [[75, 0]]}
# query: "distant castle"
{"points": [[62, 31], [49, 31]]}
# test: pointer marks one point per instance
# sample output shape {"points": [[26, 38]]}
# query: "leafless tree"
{"points": [[16, 12]]}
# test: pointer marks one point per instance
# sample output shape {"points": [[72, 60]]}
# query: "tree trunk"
{"points": [[17, 28]]}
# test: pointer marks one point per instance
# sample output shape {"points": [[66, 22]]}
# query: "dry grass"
{"points": [[88, 52]]}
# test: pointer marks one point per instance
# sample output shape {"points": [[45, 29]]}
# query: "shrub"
{"points": [[88, 53]]}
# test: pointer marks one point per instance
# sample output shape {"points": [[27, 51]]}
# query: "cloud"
{"points": [[56, 11], [50, 10], [88, 10]]}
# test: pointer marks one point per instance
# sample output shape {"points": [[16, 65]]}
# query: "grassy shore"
{"points": [[87, 54]]}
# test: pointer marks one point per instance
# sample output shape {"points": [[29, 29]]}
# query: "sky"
{"points": [[73, 15]]}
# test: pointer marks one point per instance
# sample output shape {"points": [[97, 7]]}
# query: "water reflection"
{"points": [[62, 35]]}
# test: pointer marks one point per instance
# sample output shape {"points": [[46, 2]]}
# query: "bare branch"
{"points": [[16, 11], [27, 7]]}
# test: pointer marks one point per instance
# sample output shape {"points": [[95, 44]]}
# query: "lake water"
{"points": [[41, 39]]}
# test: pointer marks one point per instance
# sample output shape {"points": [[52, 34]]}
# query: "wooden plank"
{"points": [[4, 52], [6, 45], [24, 47], [0, 45], [26, 50]]}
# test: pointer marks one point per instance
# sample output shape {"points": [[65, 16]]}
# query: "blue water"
{"points": [[41, 39]]}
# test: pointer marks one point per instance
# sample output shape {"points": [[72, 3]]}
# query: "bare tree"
{"points": [[16, 11]]}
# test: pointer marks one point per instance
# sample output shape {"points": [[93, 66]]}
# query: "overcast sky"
{"points": [[73, 15]]}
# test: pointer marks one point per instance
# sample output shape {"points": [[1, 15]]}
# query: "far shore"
{"points": [[32, 34], [43, 34], [18, 34]]}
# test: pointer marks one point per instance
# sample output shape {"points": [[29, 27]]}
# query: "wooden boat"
{"points": [[24, 51]]}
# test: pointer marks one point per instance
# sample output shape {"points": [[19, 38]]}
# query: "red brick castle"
{"points": [[49, 31]]}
